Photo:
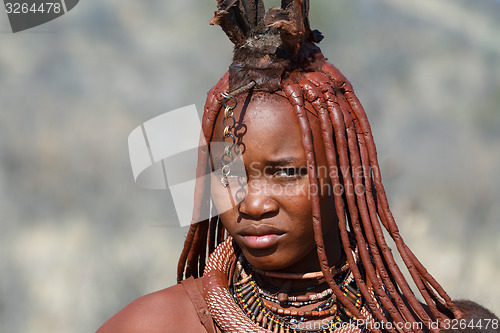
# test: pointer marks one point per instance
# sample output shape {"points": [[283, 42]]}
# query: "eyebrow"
{"points": [[283, 161]]}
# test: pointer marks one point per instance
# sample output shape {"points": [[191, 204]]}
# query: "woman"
{"points": [[297, 244]]}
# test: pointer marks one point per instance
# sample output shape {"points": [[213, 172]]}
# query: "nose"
{"points": [[258, 203]]}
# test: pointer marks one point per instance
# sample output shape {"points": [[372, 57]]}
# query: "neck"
{"points": [[294, 285]]}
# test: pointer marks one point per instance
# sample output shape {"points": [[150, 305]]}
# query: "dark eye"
{"points": [[291, 172]]}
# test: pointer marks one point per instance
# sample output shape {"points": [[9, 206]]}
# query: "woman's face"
{"points": [[273, 223]]}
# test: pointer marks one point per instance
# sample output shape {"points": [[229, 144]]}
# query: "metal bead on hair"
{"points": [[229, 123], [229, 139]]}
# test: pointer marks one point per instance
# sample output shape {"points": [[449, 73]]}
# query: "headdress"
{"points": [[266, 43]]}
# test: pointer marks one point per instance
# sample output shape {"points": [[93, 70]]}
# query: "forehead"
{"points": [[266, 127]]}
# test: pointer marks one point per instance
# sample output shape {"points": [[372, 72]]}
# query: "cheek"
{"points": [[225, 220], [225, 203], [297, 206], [226, 199], [295, 198]]}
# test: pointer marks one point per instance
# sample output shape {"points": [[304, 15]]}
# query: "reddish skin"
{"points": [[168, 310]]}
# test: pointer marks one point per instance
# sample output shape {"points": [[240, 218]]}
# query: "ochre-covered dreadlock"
{"points": [[282, 58]]}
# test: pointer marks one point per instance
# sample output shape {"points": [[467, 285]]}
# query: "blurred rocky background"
{"points": [[78, 239]]}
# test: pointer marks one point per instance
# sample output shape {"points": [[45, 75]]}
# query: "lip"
{"points": [[259, 237]]}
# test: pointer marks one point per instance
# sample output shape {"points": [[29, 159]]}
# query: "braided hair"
{"points": [[276, 51]]}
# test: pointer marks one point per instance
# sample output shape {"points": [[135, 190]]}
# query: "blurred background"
{"points": [[79, 240]]}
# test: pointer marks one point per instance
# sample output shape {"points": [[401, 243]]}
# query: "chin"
{"points": [[267, 265], [265, 262], [269, 262]]}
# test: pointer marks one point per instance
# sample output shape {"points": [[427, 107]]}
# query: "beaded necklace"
{"points": [[278, 296], [296, 301], [257, 304], [218, 283]]}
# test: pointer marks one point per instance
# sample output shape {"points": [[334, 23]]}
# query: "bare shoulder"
{"points": [[167, 310]]}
